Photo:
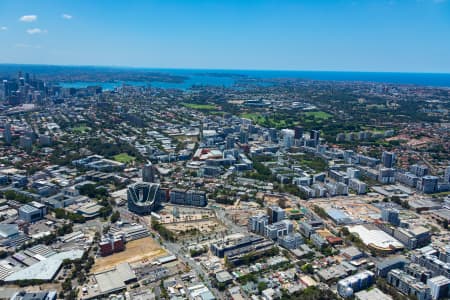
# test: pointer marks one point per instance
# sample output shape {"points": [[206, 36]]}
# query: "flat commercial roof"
{"points": [[391, 261], [45, 269], [115, 279], [374, 293], [28, 208], [90, 209], [120, 194], [109, 283], [223, 276], [333, 272], [338, 215], [351, 251], [7, 230], [443, 213]]}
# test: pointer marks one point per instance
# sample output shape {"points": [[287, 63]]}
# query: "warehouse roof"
{"points": [[115, 279], [7, 230], [339, 216], [376, 238], [45, 269]]}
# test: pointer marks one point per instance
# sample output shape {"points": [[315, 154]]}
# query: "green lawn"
{"points": [[441, 194], [199, 106], [253, 116], [269, 121], [308, 160], [124, 158], [376, 106], [82, 128], [318, 115]]}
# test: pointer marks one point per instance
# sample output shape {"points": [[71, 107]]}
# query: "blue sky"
{"points": [[378, 35]]}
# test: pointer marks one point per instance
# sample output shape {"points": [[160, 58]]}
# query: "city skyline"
{"points": [[255, 35]]}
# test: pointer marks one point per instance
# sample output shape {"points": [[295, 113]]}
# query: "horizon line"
{"points": [[218, 69]]}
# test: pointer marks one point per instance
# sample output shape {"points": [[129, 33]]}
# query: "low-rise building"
{"points": [[439, 287], [408, 285], [258, 223], [188, 197], [291, 241], [417, 271], [348, 286], [318, 241], [23, 295], [351, 253], [386, 265], [239, 244], [278, 229], [32, 212]]}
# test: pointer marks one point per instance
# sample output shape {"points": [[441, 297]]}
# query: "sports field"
{"points": [[124, 158]]}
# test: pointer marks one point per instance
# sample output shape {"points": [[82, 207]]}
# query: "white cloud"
{"points": [[36, 31], [3, 28], [431, 1], [20, 45], [28, 18], [67, 16]]}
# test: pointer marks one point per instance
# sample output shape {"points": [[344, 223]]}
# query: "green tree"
{"points": [[115, 217], [307, 269], [262, 285]]}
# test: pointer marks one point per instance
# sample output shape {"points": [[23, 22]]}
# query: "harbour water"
{"points": [[228, 78]]}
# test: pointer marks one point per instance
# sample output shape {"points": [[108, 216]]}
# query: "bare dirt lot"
{"points": [[135, 251]]}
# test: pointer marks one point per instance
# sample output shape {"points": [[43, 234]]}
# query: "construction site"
{"points": [[186, 221], [357, 208]]}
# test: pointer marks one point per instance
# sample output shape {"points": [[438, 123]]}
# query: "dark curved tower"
{"points": [[144, 197]]}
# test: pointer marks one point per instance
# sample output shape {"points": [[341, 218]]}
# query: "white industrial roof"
{"points": [[47, 268], [377, 237], [372, 294]]}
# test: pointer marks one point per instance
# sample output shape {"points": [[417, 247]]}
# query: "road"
{"points": [[230, 225]]}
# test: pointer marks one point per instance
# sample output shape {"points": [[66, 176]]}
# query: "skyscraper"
{"points": [[273, 135], [229, 142], [298, 132], [315, 135], [5, 88], [30, 134], [148, 173], [27, 77], [390, 215], [26, 143], [276, 214], [243, 137], [388, 159], [447, 175], [288, 137], [7, 133]]}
